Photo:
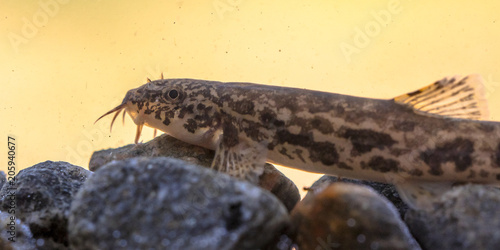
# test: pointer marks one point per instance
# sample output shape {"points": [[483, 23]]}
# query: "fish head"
{"points": [[171, 106]]}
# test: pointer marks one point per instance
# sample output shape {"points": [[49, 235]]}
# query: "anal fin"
{"points": [[459, 97], [420, 195]]}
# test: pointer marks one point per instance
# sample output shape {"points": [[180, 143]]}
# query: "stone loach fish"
{"points": [[424, 142]]}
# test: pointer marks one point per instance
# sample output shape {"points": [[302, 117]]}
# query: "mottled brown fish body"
{"points": [[397, 141], [362, 138]]}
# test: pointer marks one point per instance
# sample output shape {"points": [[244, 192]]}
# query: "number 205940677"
{"points": [[11, 169]]}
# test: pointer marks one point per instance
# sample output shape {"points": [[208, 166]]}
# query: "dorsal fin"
{"points": [[460, 97]]}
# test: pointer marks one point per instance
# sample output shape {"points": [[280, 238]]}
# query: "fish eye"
{"points": [[173, 93]]}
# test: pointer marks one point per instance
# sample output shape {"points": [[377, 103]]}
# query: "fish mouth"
{"points": [[119, 109]]}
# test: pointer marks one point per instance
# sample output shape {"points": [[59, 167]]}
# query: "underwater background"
{"points": [[64, 63]]}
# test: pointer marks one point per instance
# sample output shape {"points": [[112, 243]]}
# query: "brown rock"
{"points": [[349, 216], [384, 189], [278, 184]]}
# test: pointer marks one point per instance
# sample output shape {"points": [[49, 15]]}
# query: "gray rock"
{"points": [[164, 203], [272, 179], [3, 179], [43, 195], [387, 190], [14, 234], [284, 242], [349, 216], [466, 217], [163, 145]]}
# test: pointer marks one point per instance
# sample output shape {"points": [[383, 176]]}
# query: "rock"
{"points": [[3, 179], [466, 217], [272, 179], [43, 195], [146, 203], [349, 216], [284, 242], [387, 190], [14, 234], [163, 145], [278, 184]]}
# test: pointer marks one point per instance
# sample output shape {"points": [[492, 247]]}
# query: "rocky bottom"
{"points": [[162, 195]]}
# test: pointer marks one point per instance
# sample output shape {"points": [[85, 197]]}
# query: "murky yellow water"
{"points": [[64, 63]]}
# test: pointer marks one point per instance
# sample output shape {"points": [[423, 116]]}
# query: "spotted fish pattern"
{"points": [[423, 142]]}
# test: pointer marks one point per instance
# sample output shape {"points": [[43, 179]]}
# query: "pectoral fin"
{"points": [[240, 157], [460, 97]]}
